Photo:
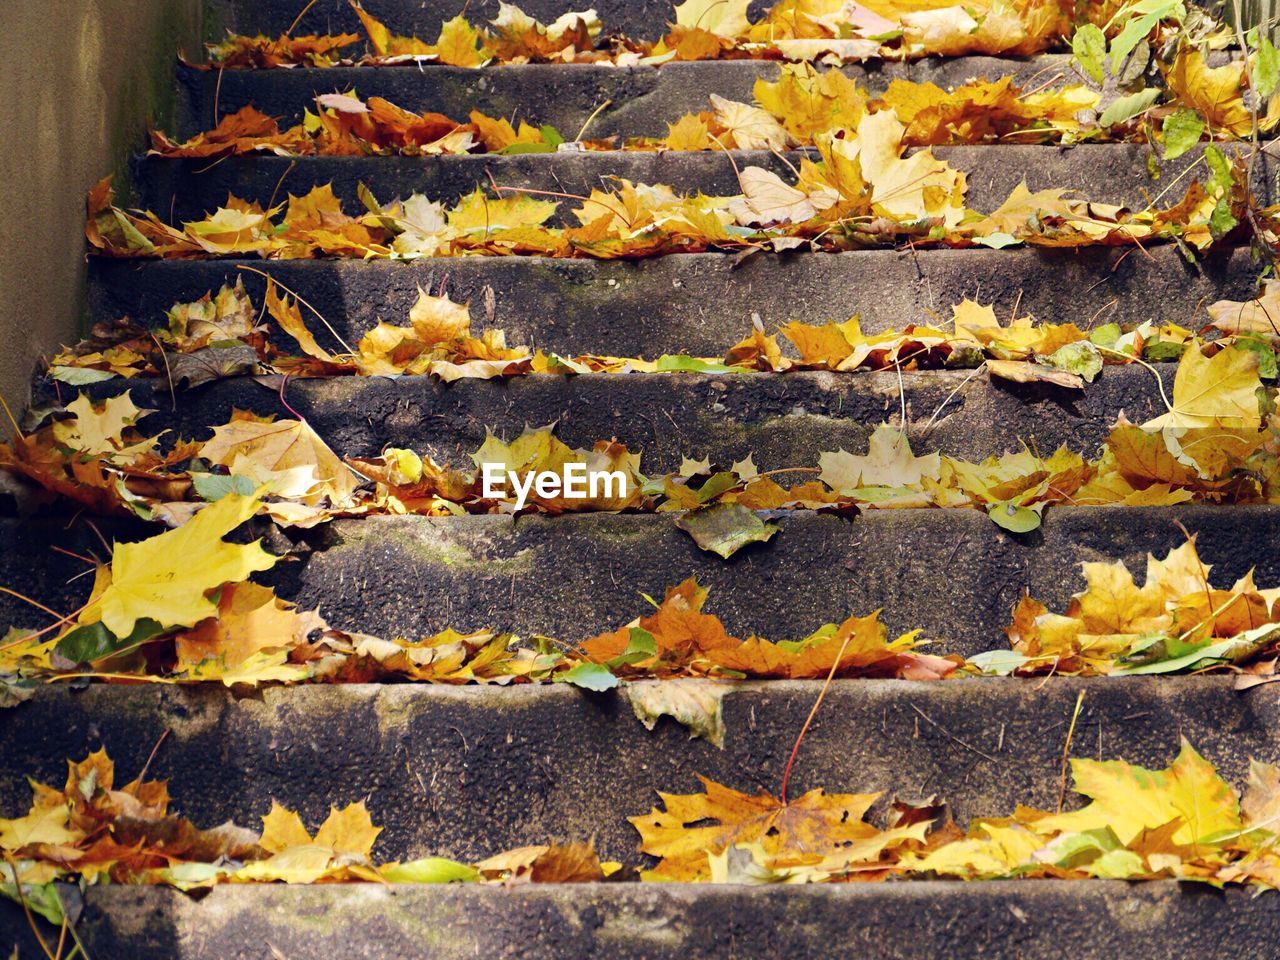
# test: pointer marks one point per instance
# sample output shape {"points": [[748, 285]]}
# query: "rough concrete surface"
{"points": [[1011, 920], [637, 18], [466, 772], [952, 573], [781, 421], [81, 78], [702, 303]]}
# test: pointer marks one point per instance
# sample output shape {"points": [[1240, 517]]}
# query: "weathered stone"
{"points": [[466, 772], [701, 303], [952, 573], [1012, 920], [636, 18], [781, 421]]}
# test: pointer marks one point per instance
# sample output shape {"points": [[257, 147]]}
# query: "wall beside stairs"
{"points": [[80, 79]]}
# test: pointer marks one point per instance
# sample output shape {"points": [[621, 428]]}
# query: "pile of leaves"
{"points": [[180, 607], [1217, 443], [220, 336], [1182, 822], [833, 31], [791, 112], [92, 831], [795, 111], [860, 191], [1177, 621]]}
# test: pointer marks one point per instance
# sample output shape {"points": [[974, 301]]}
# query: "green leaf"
{"points": [[1266, 68], [1222, 221], [1107, 335], [642, 646], [725, 528], [1014, 518], [430, 870], [1267, 368], [999, 663], [94, 641], [1163, 350], [1081, 358], [214, 486], [42, 899], [589, 676], [1220, 166], [1089, 45], [1144, 17], [1182, 131], [679, 363], [79, 376], [1126, 108]]}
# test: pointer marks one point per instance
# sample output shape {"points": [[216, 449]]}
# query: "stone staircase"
{"points": [[465, 772]]}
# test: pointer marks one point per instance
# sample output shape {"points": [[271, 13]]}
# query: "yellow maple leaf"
{"points": [[816, 823], [459, 44], [1216, 93], [98, 429], [1130, 799], [287, 454], [888, 463], [166, 577], [1213, 391], [724, 18]]}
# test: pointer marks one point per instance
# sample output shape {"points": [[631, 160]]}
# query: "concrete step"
{"points": [[781, 420], [917, 920], [701, 303], [187, 189], [466, 772], [952, 573], [642, 100], [642, 19], [1003, 920]]}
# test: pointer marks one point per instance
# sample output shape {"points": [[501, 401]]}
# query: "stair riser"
{"points": [[1032, 920], [952, 573], [646, 19], [781, 421], [698, 303], [642, 100], [466, 772], [191, 188]]}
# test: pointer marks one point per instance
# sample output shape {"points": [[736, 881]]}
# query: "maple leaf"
{"points": [[1220, 390], [287, 455], [98, 429], [913, 188], [1129, 799], [167, 578], [1259, 315], [888, 463], [1213, 92], [251, 619], [809, 826], [724, 18]]}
